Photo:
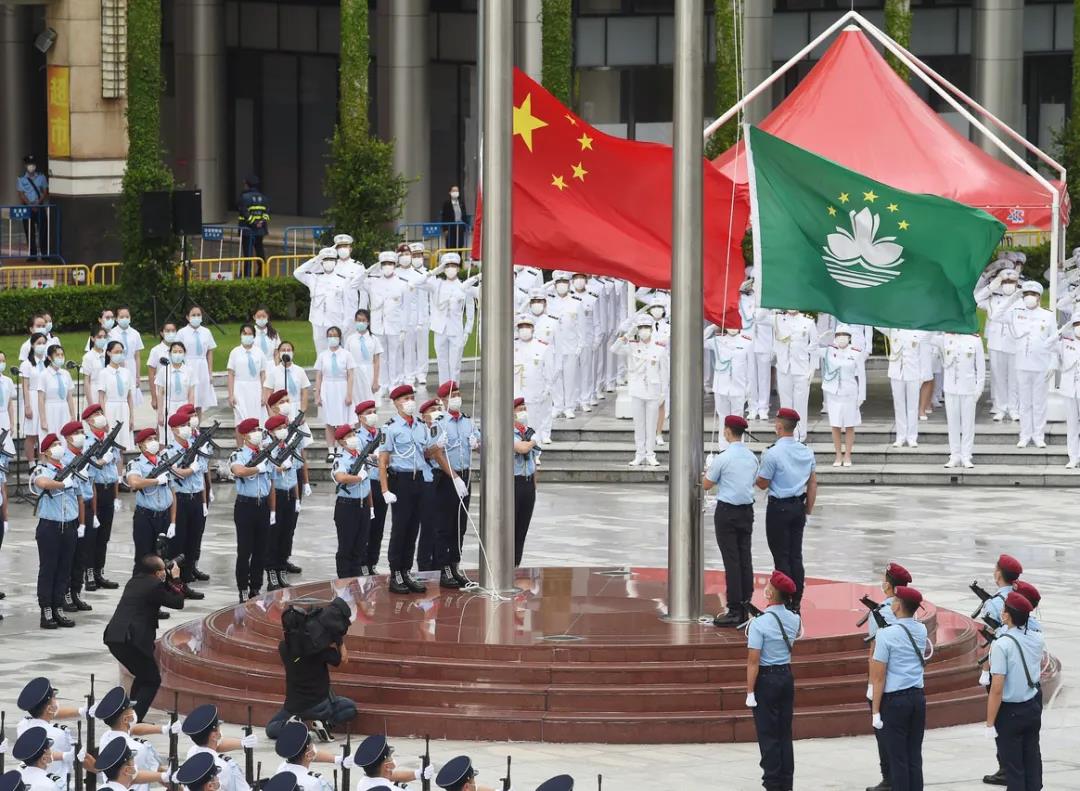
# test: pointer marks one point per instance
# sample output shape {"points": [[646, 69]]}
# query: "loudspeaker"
{"points": [[187, 212], [155, 211]]}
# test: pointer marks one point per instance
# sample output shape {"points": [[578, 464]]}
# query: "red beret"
{"points": [[50, 439], [782, 582], [276, 421], [519, 402], [276, 396], [446, 387], [1010, 565], [787, 413], [431, 402], [909, 594], [342, 431], [247, 426], [90, 411], [1019, 602], [187, 408], [144, 434], [364, 406], [70, 428], [898, 574], [179, 418], [1028, 591], [401, 390], [735, 421]]}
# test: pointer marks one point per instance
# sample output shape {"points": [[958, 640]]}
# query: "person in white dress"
{"points": [[30, 371], [114, 393], [904, 351], [7, 404], [267, 338], [366, 352], [247, 372], [453, 312], [647, 369], [334, 387], [173, 386], [55, 394], [200, 345], [843, 384], [153, 360], [964, 370], [133, 348], [1067, 361], [93, 361]]}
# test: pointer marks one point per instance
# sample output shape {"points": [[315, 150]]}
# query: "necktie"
{"points": [[123, 336], [198, 344], [291, 384], [264, 344], [121, 383], [251, 366], [61, 388], [335, 369], [363, 348], [177, 386]]}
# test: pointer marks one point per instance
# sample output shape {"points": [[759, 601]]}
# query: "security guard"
{"points": [[116, 711], [351, 510], [199, 773], [204, 729], [286, 507], [375, 759], [526, 453], [899, 704], [254, 208], [459, 775], [105, 475], [118, 762], [733, 472], [58, 511], [769, 639], [34, 749], [787, 471], [295, 747], [38, 700], [367, 430], [252, 509], [1007, 571], [155, 506], [191, 505], [462, 438], [1014, 708], [72, 432]]}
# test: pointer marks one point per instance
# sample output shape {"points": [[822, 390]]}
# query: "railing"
{"points": [[425, 231], [1024, 237], [105, 274], [305, 238], [216, 238], [30, 232], [283, 265], [227, 268], [44, 275]]}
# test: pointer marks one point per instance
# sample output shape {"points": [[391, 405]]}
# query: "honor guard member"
{"points": [[58, 510], [116, 711], [330, 289], [351, 517], [733, 472], [453, 312], [38, 700], [895, 576], [458, 774], [295, 747], [770, 687], [904, 350], [354, 298], [462, 438], [288, 401], [72, 432], [155, 507], [899, 704], [198, 773], [1068, 362], [747, 309], [367, 429], [1036, 335], [795, 344], [1014, 707], [763, 360], [411, 310], [12, 781], [567, 308], [557, 783], [204, 729], [251, 510], [1007, 571], [375, 759], [34, 748], [189, 492], [105, 475], [534, 372], [1031, 593], [526, 457], [843, 386], [435, 501], [647, 370], [964, 371], [998, 299], [731, 351], [387, 301], [286, 507], [788, 472], [590, 340]]}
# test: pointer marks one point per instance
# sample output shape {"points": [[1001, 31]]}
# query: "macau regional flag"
{"points": [[830, 239]]}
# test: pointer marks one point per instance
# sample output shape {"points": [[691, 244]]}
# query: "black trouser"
{"points": [[375, 533], [351, 521], [106, 510], [775, 693], [462, 513], [279, 540], [146, 678], [1018, 726], [146, 526], [904, 715], [251, 515], [253, 248], [405, 521], [882, 750], [335, 710], [189, 530], [36, 229], [433, 515], [451, 536], [56, 552], [83, 554], [286, 542], [785, 519], [524, 500], [734, 525]]}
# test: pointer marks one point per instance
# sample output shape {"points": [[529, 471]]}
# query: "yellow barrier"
{"points": [[44, 275], [1025, 237], [283, 265], [106, 273], [464, 252], [227, 268]]}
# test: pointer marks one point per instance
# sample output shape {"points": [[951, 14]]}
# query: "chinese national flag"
{"points": [[589, 202]]}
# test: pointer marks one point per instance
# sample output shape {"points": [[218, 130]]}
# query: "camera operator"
{"points": [[131, 631]]}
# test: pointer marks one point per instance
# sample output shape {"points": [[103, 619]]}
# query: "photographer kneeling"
{"points": [[314, 641]]}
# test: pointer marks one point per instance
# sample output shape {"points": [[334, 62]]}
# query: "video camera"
{"points": [[161, 549], [311, 630]]}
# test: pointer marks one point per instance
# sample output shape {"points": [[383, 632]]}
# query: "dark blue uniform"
{"points": [[254, 209]]}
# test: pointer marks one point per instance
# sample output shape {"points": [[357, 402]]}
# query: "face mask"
{"points": [[731, 331], [281, 433], [56, 452], [99, 343], [451, 273], [285, 408], [387, 270], [194, 422], [521, 417], [1008, 289], [352, 443], [579, 284], [177, 357], [418, 263], [562, 288], [842, 341], [255, 438], [525, 333], [333, 341], [536, 308], [116, 358], [77, 440], [361, 326], [408, 407], [152, 446], [58, 362], [644, 335], [453, 403], [107, 323], [48, 326], [656, 313], [261, 323], [169, 337], [370, 419], [344, 253], [247, 340], [39, 328], [435, 414], [31, 169], [39, 350], [1031, 301], [3, 367], [184, 432], [286, 358], [98, 421], [124, 323], [453, 193], [329, 266], [195, 321]]}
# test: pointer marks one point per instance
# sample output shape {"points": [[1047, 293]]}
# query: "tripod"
{"points": [[20, 496], [184, 303]]}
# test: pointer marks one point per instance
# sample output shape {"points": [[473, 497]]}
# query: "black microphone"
{"points": [[15, 374], [163, 361], [71, 365]]}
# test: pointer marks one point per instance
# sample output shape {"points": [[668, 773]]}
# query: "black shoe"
{"points": [[273, 582], [200, 576], [447, 579], [69, 605], [415, 585], [243, 598], [460, 576], [372, 571], [102, 582], [191, 593], [251, 594], [398, 583], [884, 785], [80, 605], [162, 615], [733, 617], [292, 568], [47, 621], [3, 595], [60, 619], [996, 779], [89, 583], [364, 571]]}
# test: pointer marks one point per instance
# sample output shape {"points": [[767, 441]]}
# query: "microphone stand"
{"points": [[165, 407]]}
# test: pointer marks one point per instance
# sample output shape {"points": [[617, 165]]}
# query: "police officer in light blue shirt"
{"points": [[105, 475], [189, 489], [367, 430], [154, 504], [252, 509], [787, 471], [58, 519], [462, 438], [770, 687], [287, 505], [899, 703], [732, 472], [351, 511], [1007, 570], [72, 432]]}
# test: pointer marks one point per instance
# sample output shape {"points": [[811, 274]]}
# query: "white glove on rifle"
{"points": [[249, 742], [69, 482], [3, 746], [362, 474], [162, 479], [425, 774], [273, 517]]}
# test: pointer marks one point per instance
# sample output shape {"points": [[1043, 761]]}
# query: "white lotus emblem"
{"points": [[858, 258]]}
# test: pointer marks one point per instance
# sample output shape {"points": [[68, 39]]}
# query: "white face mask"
{"points": [[333, 341], [562, 288], [842, 341], [525, 333], [731, 331], [579, 284], [521, 417], [281, 433], [247, 340], [644, 335], [536, 308], [285, 408], [98, 421], [77, 440], [435, 414], [1031, 301], [195, 321], [152, 446], [261, 323], [656, 313], [255, 438], [194, 422], [451, 273], [56, 451], [388, 270], [344, 253], [328, 266], [370, 419], [1008, 289], [31, 169], [39, 350], [169, 337], [184, 432], [453, 403], [408, 407], [352, 443]]}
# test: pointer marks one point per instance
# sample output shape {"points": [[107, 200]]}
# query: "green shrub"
{"points": [[726, 75], [557, 44]]}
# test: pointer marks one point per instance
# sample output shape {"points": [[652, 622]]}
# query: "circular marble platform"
{"points": [[578, 655]]}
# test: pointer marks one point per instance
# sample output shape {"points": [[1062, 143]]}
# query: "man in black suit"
{"points": [[453, 210], [132, 630]]}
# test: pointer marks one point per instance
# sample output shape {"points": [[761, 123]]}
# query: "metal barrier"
{"points": [[30, 232], [284, 265], [304, 238], [1024, 237], [425, 231], [44, 275], [106, 273], [216, 238], [464, 252], [227, 268]]}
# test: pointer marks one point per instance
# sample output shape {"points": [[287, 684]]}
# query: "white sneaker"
{"points": [[568, 414], [659, 439], [923, 417], [609, 389], [1072, 465], [1015, 418], [637, 461], [838, 463], [969, 464], [898, 444], [1023, 443], [586, 408], [600, 397], [1040, 443], [764, 414], [912, 443], [952, 462], [998, 417], [546, 441], [847, 464], [652, 461], [595, 401]]}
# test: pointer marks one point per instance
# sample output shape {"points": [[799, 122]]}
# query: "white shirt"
{"points": [[146, 757], [763, 331], [730, 377], [962, 363], [325, 364], [795, 344], [62, 742], [450, 301], [92, 363], [843, 372], [197, 342], [999, 309], [568, 335], [240, 363], [267, 345], [131, 339], [905, 354], [293, 383], [41, 780], [363, 349], [230, 775], [387, 303], [329, 303], [178, 393], [1068, 360], [305, 778], [1035, 334], [646, 367], [534, 369]]}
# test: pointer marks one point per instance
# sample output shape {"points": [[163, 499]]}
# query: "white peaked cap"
{"points": [[842, 329], [387, 257], [524, 320], [1032, 286], [342, 238], [450, 258], [328, 252], [537, 293], [416, 247]]}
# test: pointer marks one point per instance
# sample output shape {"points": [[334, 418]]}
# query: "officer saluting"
{"points": [[199, 773], [769, 639], [733, 472], [899, 705], [204, 729], [375, 759], [34, 749], [459, 775]]}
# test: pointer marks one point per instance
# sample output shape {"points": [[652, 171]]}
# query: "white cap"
{"points": [[416, 247], [537, 293], [842, 329], [328, 253], [387, 256], [1020, 257], [644, 321], [1032, 287], [450, 258], [342, 238], [524, 320], [657, 302], [1008, 274], [1076, 317], [404, 258], [561, 275]]}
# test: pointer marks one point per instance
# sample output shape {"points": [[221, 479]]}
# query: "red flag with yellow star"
{"points": [[589, 202]]}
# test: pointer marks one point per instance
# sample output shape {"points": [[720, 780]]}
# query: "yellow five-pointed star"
{"points": [[525, 123], [579, 171], [893, 207], [843, 197], [571, 119], [586, 142], [903, 225], [557, 181], [832, 211], [869, 197]]}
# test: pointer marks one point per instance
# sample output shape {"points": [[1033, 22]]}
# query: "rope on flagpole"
{"points": [[736, 27]]}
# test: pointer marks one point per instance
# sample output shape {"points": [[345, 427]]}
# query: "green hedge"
{"points": [[77, 307]]}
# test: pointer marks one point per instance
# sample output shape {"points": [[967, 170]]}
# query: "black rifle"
{"points": [[249, 754], [3, 717], [992, 622], [79, 769], [164, 466], [506, 780], [879, 619], [296, 426], [107, 443], [91, 742], [174, 743], [290, 450], [751, 610], [335, 780], [74, 467], [194, 450], [982, 593], [599, 783], [258, 777], [346, 751], [362, 457], [425, 762], [870, 606]]}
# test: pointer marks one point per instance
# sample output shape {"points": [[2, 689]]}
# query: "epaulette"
{"points": [[746, 337], [661, 343], [542, 341], [313, 774], [54, 778], [575, 296], [223, 757], [59, 725]]}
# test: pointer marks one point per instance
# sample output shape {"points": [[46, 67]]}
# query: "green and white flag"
{"points": [[830, 239]]}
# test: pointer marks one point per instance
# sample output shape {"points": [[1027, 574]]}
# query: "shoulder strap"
{"points": [[1023, 661], [914, 645], [783, 633]]}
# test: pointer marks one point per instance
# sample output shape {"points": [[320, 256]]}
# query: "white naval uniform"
{"points": [[423, 330], [763, 359], [747, 308], [354, 298], [527, 278], [647, 371], [1068, 361], [731, 374], [198, 341], [905, 377], [62, 741], [329, 300], [1004, 393], [590, 338], [305, 778], [534, 377], [604, 290], [147, 758], [843, 385], [1035, 334], [388, 322], [964, 370], [133, 343], [377, 783], [453, 311], [41, 780], [364, 348], [411, 321], [568, 344], [230, 775], [795, 346]]}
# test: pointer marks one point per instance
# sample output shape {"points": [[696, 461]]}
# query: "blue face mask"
{"points": [[333, 341], [124, 323], [99, 343], [48, 326], [361, 326]]}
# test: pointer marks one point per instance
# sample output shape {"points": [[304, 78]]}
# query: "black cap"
{"points": [[29, 160], [197, 770], [36, 692], [201, 719], [292, 740], [557, 783], [114, 702], [282, 781], [29, 747], [455, 772], [113, 754], [12, 781], [372, 751]]}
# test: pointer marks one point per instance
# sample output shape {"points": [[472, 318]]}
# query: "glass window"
{"points": [[631, 41], [330, 31], [299, 28], [933, 31], [258, 26], [589, 42], [280, 141], [1038, 28], [600, 96], [599, 6], [1063, 38]]}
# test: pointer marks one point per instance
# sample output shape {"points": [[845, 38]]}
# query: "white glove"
{"points": [[81, 755], [461, 487], [171, 532], [344, 762], [307, 490], [249, 742], [68, 757], [162, 479], [425, 774], [69, 482], [287, 464], [877, 723], [117, 504], [205, 509], [81, 531], [990, 733], [389, 498], [211, 495], [166, 778], [176, 727], [869, 691], [441, 441], [362, 474], [97, 522], [3, 746], [984, 678], [83, 711], [273, 517], [371, 513], [474, 443], [261, 467], [751, 700], [298, 506]]}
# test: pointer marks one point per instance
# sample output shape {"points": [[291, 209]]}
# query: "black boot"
{"points": [[80, 605], [191, 593], [47, 621], [69, 605], [273, 582], [283, 579], [365, 571], [884, 785], [398, 583], [460, 576], [733, 617], [163, 615], [447, 579], [292, 568], [102, 582], [89, 583], [60, 619], [243, 598], [996, 779], [415, 585], [200, 576], [253, 592]]}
